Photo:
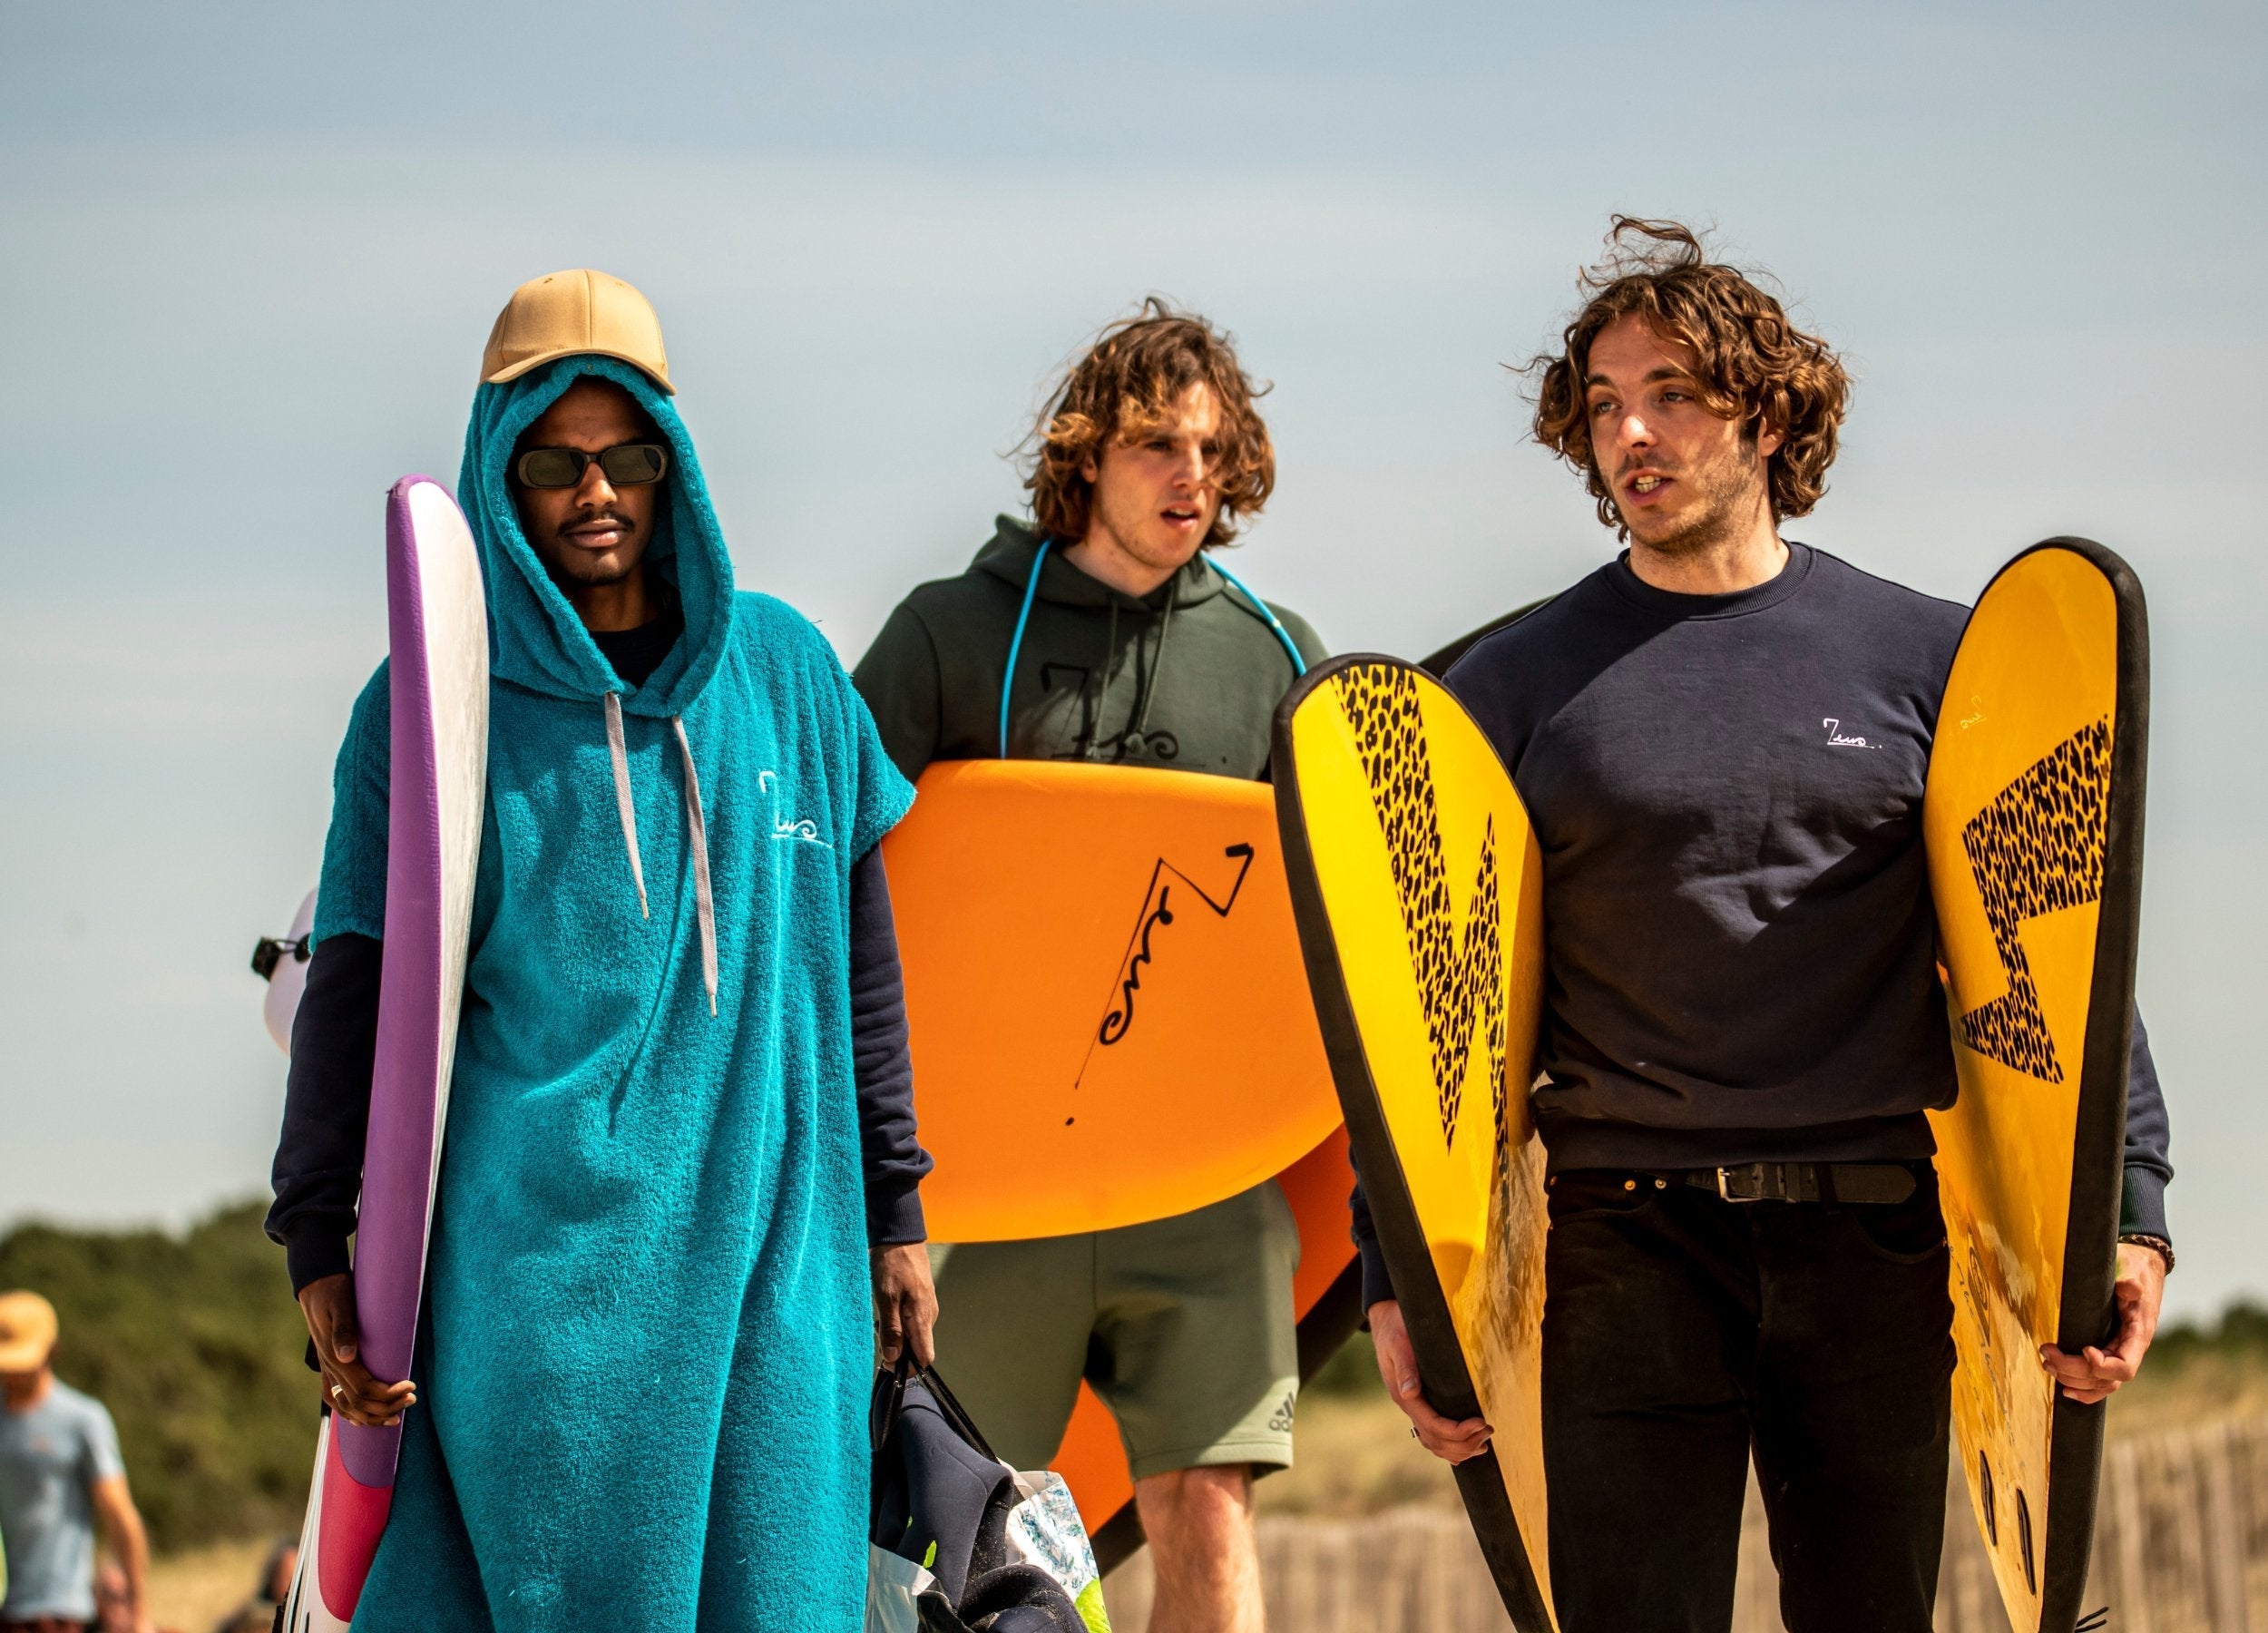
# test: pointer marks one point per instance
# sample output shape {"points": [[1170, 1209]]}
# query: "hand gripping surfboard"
{"points": [[1416, 885], [1110, 1025], [2032, 821], [438, 685]]}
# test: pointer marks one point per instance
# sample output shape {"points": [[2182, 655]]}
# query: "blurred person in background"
{"points": [[60, 1470]]}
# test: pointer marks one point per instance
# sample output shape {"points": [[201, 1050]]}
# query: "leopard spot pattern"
{"points": [[2036, 849], [1460, 979]]}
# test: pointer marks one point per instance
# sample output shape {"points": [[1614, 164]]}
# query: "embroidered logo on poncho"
{"points": [[792, 829]]}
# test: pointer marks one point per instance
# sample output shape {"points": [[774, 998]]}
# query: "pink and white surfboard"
{"points": [[438, 682]]}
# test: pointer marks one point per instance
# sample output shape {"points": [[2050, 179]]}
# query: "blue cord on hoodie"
{"points": [[1032, 587]]}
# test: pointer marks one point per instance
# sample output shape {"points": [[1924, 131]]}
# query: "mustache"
{"points": [[584, 518], [1660, 467]]}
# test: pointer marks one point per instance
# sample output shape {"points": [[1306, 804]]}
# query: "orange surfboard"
{"points": [[1110, 1025], [1111, 1019]]}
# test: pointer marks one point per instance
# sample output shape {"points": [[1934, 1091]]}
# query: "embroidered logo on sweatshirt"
{"points": [[1839, 739]]}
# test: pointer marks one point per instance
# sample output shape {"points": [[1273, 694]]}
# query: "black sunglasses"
{"points": [[625, 464]]}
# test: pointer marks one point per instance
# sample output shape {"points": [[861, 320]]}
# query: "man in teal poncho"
{"points": [[641, 1389]]}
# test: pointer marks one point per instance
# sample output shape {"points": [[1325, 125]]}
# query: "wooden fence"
{"points": [[2181, 1546]]}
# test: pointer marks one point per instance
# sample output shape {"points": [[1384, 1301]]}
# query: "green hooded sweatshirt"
{"points": [[1184, 678]]}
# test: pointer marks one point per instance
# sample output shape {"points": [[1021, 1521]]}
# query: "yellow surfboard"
{"points": [[1109, 1018], [2032, 820], [1417, 887]]}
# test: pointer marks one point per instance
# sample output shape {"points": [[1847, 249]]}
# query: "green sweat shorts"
{"points": [[1183, 1325]]}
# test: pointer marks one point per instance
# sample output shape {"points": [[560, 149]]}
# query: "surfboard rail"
{"points": [[1442, 1249], [437, 681], [2033, 823]]}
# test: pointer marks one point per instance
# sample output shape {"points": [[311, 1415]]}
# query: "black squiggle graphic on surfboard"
{"points": [[2036, 849], [1460, 979], [1157, 914]]}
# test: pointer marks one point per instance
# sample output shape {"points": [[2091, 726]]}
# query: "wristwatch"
{"points": [[2155, 1244]]}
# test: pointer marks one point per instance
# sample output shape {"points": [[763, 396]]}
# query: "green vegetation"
{"points": [[2241, 1336], [1351, 1374], [2197, 1372], [196, 1346]]}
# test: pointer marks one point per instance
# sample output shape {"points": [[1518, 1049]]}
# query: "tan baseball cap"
{"points": [[27, 1332], [572, 314]]}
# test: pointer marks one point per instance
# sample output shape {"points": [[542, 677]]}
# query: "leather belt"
{"points": [[1859, 1182]]}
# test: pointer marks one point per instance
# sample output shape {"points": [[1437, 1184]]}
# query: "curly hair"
{"points": [[1750, 363], [1126, 385]]}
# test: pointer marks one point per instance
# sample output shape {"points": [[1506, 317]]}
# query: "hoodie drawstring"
{"points": [[704, 903], [1156, 666], [704, 898], [622, 806], [1102, 683]]}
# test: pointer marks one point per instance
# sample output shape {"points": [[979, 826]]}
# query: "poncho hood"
{"points": [[535, 638]]}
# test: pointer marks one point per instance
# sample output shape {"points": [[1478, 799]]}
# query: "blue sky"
{"points": [[247, 263]]}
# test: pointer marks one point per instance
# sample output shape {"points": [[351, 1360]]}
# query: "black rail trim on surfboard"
{"points": [[2089, 1313], [2086, 1313], [1447, 1382]]}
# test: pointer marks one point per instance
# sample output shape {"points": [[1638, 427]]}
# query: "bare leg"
{"points": [[1199, 1525]]}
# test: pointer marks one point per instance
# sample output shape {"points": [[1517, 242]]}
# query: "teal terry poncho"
{"points": [[647, 1345]]}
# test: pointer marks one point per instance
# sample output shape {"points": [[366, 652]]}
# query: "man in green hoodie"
{"points": [[1104, 632]]}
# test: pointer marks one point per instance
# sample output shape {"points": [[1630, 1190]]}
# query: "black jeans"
{"points": [[1681, 1331]]}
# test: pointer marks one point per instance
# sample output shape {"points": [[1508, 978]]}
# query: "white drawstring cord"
{"points": [[621, 797], [704, 904], [704, 899]]}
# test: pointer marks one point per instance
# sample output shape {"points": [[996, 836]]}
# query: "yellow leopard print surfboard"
{"points": [[2033, 824]]}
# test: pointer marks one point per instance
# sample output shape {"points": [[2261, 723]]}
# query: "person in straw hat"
{"points": [[60, 1475]]}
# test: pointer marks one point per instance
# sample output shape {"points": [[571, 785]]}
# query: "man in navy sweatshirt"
{"points": [[1741, 969]]}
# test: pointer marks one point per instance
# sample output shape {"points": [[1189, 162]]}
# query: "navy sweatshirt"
{"points": [[1741, 957], [317, 1173]]}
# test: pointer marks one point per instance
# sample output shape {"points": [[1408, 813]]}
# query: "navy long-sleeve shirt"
{"points": [[317, 1174], [1741, 948]]}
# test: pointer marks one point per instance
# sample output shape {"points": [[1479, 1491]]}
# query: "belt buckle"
{"points": [[1753, 1170]]}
